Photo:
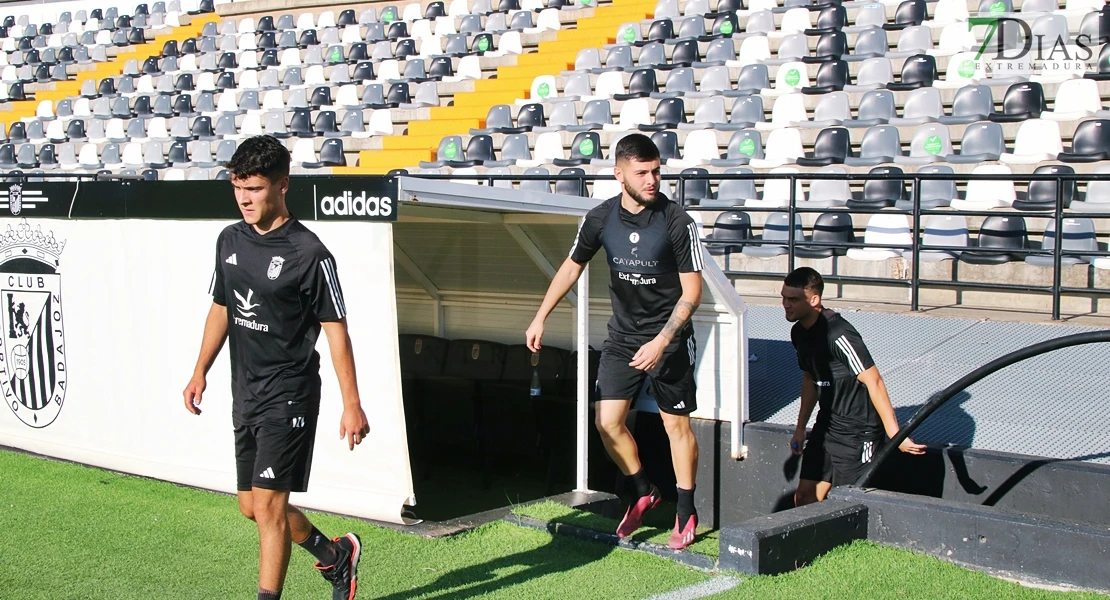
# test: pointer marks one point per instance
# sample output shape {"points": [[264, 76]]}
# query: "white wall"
{"points": [[134, 298]]}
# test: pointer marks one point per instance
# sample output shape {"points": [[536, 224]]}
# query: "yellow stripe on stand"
{"points": [[25, 109], [513, 82]]}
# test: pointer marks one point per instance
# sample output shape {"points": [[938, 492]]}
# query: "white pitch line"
{"points": [[711, 587]]}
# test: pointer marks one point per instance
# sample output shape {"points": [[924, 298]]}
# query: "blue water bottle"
{"points": [[534, 388]]}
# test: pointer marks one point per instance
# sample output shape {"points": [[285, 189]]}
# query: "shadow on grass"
{"points": [[654, 530], [558, 556]]}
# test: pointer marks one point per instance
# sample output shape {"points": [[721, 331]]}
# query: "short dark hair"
{"points": [[636, 146], [807, 279], [260, 155]]}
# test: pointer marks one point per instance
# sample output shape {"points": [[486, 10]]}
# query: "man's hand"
{"points": [[909, 447], [798, 441], [647, 357], [534, 335], [353, 426], [193, 393]]}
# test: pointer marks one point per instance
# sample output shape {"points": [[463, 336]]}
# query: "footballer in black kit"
{"points": [[646, 252], [838, 375], [274, 288], [654, 253], [277, 289]]}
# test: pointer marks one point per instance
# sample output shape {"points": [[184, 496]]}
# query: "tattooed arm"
{"points": [[687, 304]]}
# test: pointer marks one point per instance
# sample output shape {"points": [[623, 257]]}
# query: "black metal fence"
{"points": [[579, 184], [915, 214]]}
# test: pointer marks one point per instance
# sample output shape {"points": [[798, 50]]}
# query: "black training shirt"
{"points": [[277, 288], [646, 252], [833, 353]]}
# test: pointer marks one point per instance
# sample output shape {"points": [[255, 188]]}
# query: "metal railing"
{"points": [[940, 398], [915, 282]]}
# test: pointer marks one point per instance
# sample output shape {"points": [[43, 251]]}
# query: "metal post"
{"points": [[581, 422], [1057, 249], [793, 215], [915, 263], [682, 189]]}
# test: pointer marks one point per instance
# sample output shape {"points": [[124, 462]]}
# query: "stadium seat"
{"points": [[922, 105], [930, 143], [1042, 194], [775, 238], [943, 231], [1038, 140], [1078, 237], [880, 144], [936, 193], [997, 234], [1090, 143], [881, 193], [829, 228], [833, 145], [882, 232], [733, 192], [988, 194], [825, 193], [832, 110], [1023, 101], [731, 230], [918, 71], [972, 103], [982, 142], [875, 108]]}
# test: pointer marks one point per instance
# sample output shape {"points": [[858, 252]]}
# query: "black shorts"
{"points": [[838, 460], [671, 382], [275, 454]]}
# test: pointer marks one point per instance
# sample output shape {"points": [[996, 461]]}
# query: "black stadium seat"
{"points": [[1090, 143], [996, 236], [833, 146], [834, 228], [1023, 101], [730, 231], [1042, 194], [919, 70], [831, 77]]}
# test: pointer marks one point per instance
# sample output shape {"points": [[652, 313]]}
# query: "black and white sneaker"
{"points": [[343, 575]]}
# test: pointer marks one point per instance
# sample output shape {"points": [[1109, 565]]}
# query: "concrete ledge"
{"points": [[988, 538], [791, 539]]}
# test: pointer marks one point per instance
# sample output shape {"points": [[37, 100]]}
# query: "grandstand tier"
{"points": [[469, 88]]}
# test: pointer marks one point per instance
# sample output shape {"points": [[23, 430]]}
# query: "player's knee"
{"points": [[267, 510], [608, 426], [678, 428], [246, 505]]}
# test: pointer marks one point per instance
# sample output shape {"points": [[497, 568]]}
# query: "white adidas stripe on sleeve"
{"points": [[850, 352], [328, 268]]}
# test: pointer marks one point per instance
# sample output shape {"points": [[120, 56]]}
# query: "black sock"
{"points": [[641, 483], [268, 595], [320, 546], [685, 505]]}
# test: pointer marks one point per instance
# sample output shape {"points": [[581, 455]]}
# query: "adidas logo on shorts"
{"points": [[267, 474], [868, 451]]}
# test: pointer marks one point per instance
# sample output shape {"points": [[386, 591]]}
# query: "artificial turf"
{"points": [[73, 532]]}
